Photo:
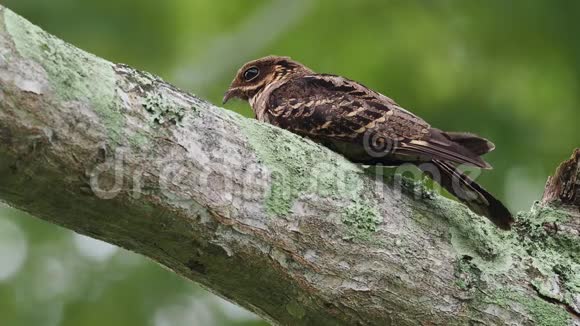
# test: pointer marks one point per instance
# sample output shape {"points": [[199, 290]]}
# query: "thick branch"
{"points": [[262, 217]]}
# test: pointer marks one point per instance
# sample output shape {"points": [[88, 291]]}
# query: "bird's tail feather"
{"points": [[474, 143], [469, 192]]}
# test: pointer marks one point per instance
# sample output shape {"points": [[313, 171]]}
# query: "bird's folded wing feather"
{"points": [[333, 108]]}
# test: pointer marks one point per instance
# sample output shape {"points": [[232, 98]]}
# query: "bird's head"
{"points": [[255, 75]]}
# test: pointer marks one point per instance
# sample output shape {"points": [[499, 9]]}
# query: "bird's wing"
{"points": [[333, 108]]}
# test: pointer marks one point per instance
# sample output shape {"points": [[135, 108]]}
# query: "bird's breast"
{"points": [[259, 102]]}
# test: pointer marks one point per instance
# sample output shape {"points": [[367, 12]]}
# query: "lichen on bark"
{"points": [[300, 167], [74, 74]]}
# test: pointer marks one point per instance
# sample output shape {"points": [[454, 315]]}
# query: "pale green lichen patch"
{"points": [[163, 110], [74, 74], [555, 257], [541, 312], [363, 217], [139, 139], [471, 236], [550, 261], [541, 214], [548, 288], [467, 274], [300, 167], [491, 259]]}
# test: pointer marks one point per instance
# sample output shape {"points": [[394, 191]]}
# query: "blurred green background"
{"points": [[507, 70]]}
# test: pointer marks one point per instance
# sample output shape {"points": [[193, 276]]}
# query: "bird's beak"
{"points": [[231, 93]]}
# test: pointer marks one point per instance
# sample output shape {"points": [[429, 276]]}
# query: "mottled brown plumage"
{"points": [[364, 126]]}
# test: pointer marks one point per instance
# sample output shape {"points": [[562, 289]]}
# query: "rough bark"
{"points": [[257, 215]]}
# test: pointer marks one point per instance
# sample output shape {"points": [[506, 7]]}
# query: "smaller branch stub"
{"points": [[564, 186]]}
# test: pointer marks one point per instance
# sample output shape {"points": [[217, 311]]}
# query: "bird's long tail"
{"points": [[469, 192]]}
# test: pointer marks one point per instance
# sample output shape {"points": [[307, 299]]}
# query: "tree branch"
{"points": [[260, 216]]}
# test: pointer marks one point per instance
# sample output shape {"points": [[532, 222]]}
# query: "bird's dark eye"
{"points": [[251, 73]]}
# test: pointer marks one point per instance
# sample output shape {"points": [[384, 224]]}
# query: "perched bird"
{"points": [[364, 126]]}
